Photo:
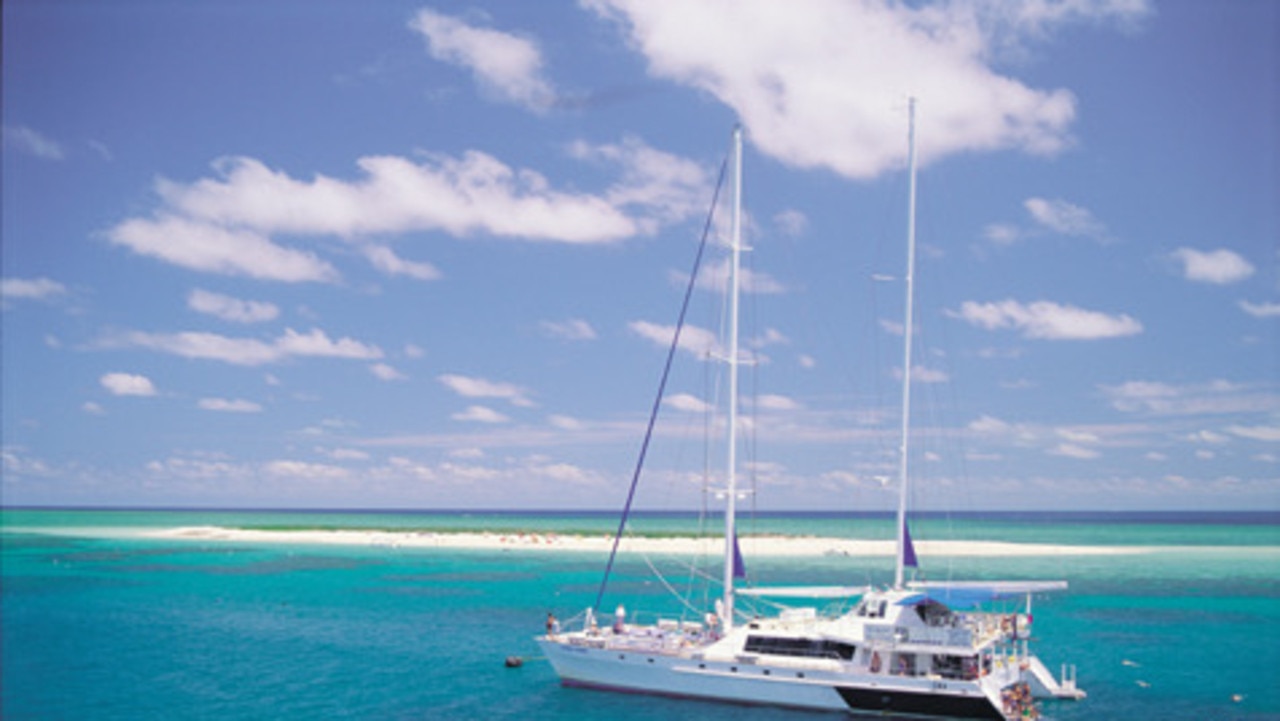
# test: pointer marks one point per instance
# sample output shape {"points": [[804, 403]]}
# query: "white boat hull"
{"points": [[777, 683]]}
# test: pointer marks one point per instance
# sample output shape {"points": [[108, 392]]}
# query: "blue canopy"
{"points": [[968, 594], [951, 597]]}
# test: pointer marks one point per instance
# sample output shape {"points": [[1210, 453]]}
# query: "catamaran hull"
{"points": [[755, 683]]}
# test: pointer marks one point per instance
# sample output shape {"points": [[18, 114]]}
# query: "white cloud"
{"points": [[474, 193], [471, 387], [1002, 233], [1212, 398], [572, 329], [921, 374], [480, 414], [668, 188], [564, 473], [996, 429], [1207, 436], [1072, 450], [791, 222], [317, 343], [1257, 433], [385, 260], [989, 425], [459, 195], [715, 276], [206, 247], [102, 150], [229, 406], [231, 309], [786, 70], [207, 346], [771, 336], [386, 372], [983, 457], [198, 469], [127, 384], [227, 223], [1261, 310], [700, 342], [1047, 320], [250, 351], [93, 409], [344, 454], [1077, 436], [505, 64], [464, 473], [774, 402], [26, 140], [1136, 395], [303, 470], [566, 423], [687, 403], [30, 288], [1065, 218], [1220, 267]]}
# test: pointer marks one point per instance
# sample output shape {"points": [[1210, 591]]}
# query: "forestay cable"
{"points": [[662, 385]]}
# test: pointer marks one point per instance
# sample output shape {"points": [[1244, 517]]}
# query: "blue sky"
{"points": [[406, 255]]}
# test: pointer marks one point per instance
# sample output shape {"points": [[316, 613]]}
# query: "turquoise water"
{"points": [[100, 622]]}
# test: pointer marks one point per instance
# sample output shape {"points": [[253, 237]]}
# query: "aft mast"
{"points": [[731, 479], [904, 537]]}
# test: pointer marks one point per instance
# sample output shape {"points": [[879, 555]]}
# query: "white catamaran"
{"points": [[912, 649]]}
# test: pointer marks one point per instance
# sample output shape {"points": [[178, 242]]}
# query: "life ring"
{"points": [[875, 662]]}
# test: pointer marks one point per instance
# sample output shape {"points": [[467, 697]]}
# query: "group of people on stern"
{"points": [[1017, 702]]}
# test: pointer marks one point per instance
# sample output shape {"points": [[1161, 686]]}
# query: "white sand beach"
{"points": [[762, 545]]}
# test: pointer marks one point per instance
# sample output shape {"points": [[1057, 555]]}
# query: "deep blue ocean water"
{"points": [[98, 622]]}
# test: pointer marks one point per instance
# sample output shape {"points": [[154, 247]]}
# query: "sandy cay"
{"points": [[763, 545]]}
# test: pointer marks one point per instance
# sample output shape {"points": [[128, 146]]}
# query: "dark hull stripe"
{"points": [[919, 704], [574, 683], [874, 700]]}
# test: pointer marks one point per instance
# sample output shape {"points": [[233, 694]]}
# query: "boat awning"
{"points": [[967, 594], [805, 591]]}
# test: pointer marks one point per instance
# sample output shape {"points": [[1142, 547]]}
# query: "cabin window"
{"points": [[959, 667], [800, 647]]}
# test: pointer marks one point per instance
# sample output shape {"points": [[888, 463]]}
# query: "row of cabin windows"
{"points": [[800, 647]]}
